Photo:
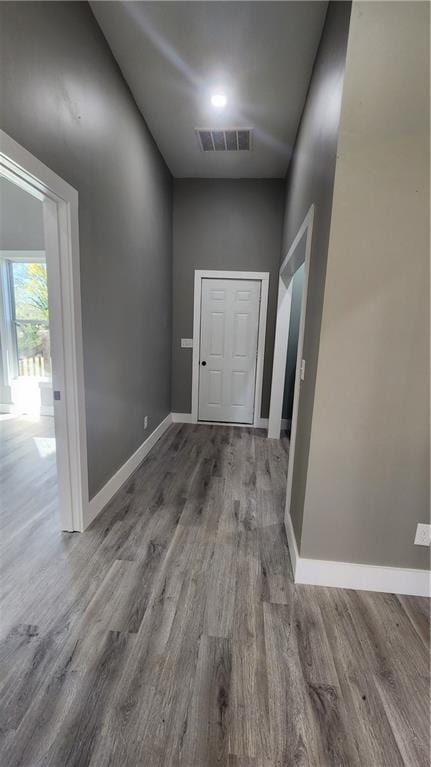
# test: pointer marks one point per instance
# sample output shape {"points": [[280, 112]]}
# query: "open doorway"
{"points": [[28, 473], [43, 475], [289, 367], [26, 369], [292, 347]]}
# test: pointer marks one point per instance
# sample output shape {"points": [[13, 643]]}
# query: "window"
{"points": [[30, 319], [24, 322]]}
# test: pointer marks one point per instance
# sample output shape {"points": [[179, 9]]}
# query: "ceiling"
{"points": [[175, 54]]}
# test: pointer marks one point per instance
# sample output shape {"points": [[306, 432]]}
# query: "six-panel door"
{"points": [[228, 349]]}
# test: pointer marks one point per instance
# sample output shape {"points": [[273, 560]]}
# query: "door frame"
{"points": [[288, 268], [263, 278], [60, 214]]}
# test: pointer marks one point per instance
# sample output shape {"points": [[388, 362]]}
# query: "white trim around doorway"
{"points": [[60, 211], [294, 259], [290, 265], [262, 277]]}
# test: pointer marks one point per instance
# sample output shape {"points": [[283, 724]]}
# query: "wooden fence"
{"points": [[33, 366]]}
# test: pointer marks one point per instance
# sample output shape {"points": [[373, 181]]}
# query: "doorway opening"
{"points": [[26, 369], [42, 412], [289, 367], [28, 474], [229, 330], [292, 347]]}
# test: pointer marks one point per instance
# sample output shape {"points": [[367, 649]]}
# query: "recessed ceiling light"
{"points": [[218, 100]]}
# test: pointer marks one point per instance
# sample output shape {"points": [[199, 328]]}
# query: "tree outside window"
{"points": [[31, 316]]}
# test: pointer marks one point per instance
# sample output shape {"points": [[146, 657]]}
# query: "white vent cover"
{"points": [[225, 140]]}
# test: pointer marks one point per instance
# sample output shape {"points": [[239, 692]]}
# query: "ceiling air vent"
{"points": [[227, 140]]}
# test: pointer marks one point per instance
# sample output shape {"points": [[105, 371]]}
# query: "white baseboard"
{"points": [[262, 423], [108, 491], [182, 418], [47, 410], [349, 575]]}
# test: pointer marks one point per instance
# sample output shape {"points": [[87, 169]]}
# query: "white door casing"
{"points": [[296, 256], [228, 349], [60, 210]]}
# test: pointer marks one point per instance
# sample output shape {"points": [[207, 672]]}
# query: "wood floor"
{"points": [[171, 633]]}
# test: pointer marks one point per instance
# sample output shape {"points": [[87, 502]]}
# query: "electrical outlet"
{"points": [[423, 535], [146, 422]]}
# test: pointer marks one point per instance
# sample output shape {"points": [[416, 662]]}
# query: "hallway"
{"points": [[170, 633]]}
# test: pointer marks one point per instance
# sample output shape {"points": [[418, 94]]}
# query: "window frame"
{"points": [[8, 327]]}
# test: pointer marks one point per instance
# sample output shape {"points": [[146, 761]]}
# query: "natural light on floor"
{"points": [[45, 446], [28, 395]]}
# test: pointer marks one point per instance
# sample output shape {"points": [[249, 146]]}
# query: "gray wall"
{"points": [[292, 344], [222, 224], [64, 99], [21, 219], [310, 180], [369, 461]]}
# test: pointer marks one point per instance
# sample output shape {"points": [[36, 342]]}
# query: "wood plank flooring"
{"points": [[171, 634]]}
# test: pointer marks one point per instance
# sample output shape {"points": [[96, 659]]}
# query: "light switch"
{"points": [[187, 343], [302, 370]]}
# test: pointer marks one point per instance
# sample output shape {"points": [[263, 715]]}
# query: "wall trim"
{"points": [[113, 485], [291, 542], [290, 265], [182, 418], [260, 423], [361, 577], [47, 410], [7, 408]]}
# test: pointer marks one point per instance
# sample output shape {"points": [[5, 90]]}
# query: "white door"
{"points": [[228, 349]]}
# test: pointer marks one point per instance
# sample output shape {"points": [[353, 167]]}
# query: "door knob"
{"points": [[203, 363]]}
